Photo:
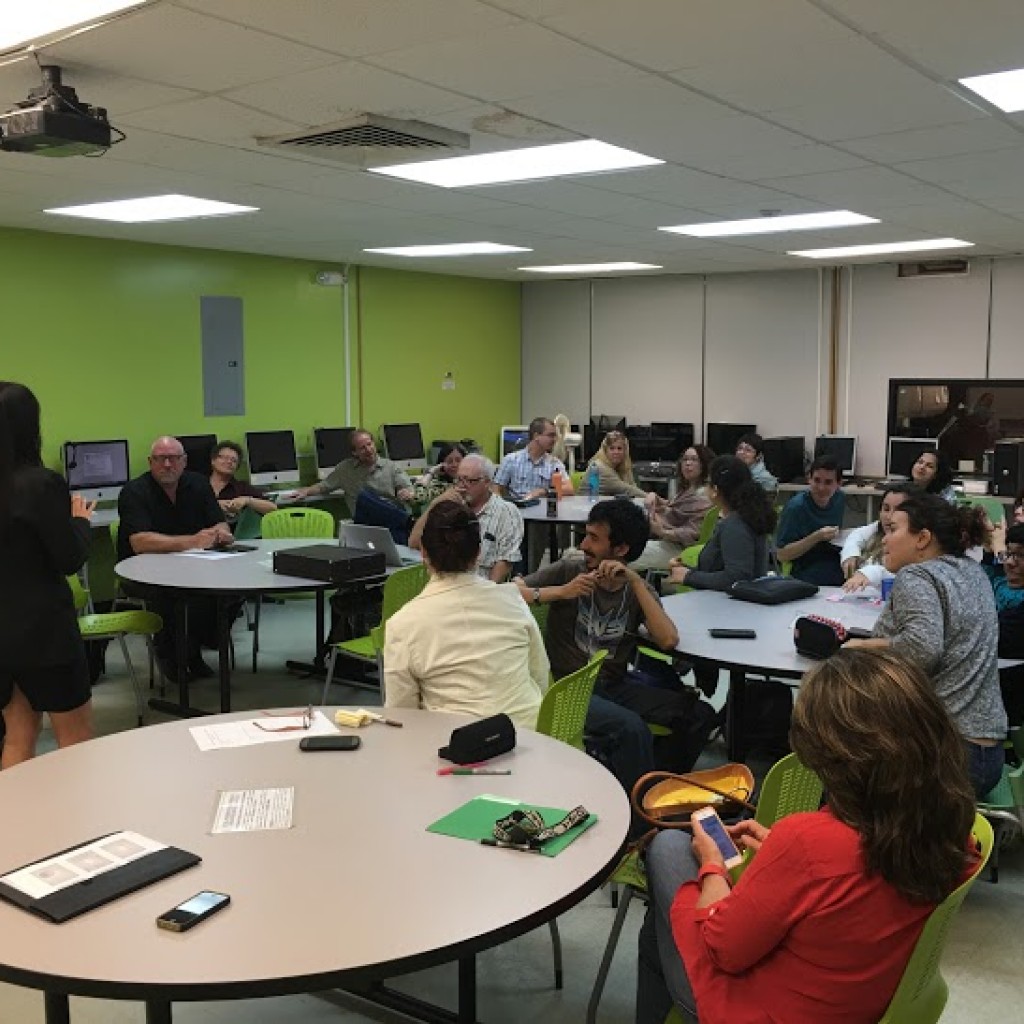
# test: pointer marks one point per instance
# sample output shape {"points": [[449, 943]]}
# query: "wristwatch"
{"points": [[536, 595]]}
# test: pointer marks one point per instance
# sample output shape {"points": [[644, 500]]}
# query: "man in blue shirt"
{"points": [[527, 472], [810, 522]]}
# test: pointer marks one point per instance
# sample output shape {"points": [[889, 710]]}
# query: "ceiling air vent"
{"points": [[365, 138], [956, 267]]}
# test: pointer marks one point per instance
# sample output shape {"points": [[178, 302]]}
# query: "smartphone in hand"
{"points": [[712, 824]]}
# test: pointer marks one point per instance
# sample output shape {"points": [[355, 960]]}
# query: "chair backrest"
{"points": [[922, 992], [114, 526], [540, 613], [399, 589], [788, 787], [707, 527], [298, 522], [564, 708], [248, 525]]}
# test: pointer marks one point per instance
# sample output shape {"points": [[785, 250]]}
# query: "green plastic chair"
{"points": [[399, 589], [788, 787], [922, 992], [1003, 806], [283, 524], [562, 715], [564, 708], [117, 626]]}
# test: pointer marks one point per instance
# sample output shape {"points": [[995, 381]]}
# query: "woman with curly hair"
{"points": [[822, 923]]}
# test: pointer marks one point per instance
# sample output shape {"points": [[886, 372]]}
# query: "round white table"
{"points": [[771, 653], [355, 892], [226, 578]]}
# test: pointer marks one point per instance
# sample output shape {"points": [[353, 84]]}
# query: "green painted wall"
{"points": [[107, 335], [415, 329]]}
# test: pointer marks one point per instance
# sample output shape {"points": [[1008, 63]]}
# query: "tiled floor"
{"points": [[982, 961]]}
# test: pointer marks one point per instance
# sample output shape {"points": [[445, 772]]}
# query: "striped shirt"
{"points": [[501, 533], [519, 474]]}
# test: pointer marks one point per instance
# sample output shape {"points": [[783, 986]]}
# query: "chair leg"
{"points": [[256, 632], [332, 657], [609, 953], [135, 678], [556, 949]]}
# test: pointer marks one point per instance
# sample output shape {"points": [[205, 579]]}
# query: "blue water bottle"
{"points": [[593, 483]]}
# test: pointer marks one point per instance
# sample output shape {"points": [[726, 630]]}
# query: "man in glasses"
{"points": [[501, 523], [165, 510]]}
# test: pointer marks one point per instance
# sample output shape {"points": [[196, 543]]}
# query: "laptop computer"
{"points": [[375, 538]]}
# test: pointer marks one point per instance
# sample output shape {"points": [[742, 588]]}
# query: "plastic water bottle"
{"points": [[593, 483]]}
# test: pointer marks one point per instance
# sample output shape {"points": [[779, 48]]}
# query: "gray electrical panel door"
{"points": [[223, 343]]}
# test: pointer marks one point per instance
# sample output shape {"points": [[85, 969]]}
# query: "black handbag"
{"points": [[772, 590], [480, 740]]}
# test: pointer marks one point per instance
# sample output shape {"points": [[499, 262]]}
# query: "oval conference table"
{"points": [[355, 892], [771, 653], [225, 576]]}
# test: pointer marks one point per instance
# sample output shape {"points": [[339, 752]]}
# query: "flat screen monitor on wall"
{"points": [[403, 444], [272, 457], [198, 451], [722, 438], [682, 436], [513, 438], [784, 457], [331, 445], [965, 416], [842, 448], [905, 451], [96, 470]]}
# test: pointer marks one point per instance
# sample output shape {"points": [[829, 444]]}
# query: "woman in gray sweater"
{"points": [[942, 617], [738, 549]]}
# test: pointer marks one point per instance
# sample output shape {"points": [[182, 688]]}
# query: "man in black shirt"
{"points": [[163, 511]]}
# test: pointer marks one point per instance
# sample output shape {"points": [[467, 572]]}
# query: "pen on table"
{"points": [[448, 769], [502, 845], [386, 721], [475, 771]]}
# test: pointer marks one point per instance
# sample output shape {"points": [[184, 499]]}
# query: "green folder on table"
{"points": [[475, 821]]}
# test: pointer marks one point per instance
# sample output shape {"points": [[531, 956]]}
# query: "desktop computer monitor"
{"points": [[842, 448], [272, 457], [403, 444], [513, 438], [96, 470], [722, 438], [905, 451], [681, 436], [330, 446], [198, 451], [784, 457]]}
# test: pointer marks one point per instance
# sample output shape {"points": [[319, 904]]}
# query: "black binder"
{"points": [[90, 893]]}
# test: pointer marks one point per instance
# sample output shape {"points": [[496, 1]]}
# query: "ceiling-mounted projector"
{"points": [[54, 122]]}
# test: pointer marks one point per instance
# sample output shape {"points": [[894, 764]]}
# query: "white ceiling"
{"points": [[787, 105]]}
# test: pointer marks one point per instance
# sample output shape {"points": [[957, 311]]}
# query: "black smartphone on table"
{"points": [[733, 634], [195, 909], [313, 743]]}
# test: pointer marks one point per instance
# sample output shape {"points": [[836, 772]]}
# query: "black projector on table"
{"points": [[54, 122]]}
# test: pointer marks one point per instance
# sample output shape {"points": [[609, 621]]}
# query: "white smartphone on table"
{"points": [[712, 824]]}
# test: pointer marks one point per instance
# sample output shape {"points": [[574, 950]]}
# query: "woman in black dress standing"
{"points": [[44, 537]]}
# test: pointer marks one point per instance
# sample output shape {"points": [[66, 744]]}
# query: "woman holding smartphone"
{"points": [[799, 934], [44, 537]]}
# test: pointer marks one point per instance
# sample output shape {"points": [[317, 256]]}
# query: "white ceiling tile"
{"points": [[508, 62], [359, 27], [215, 55], [944, 140], [857, 189]]}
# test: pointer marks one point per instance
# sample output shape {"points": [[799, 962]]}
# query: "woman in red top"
{"points": [[822, 923]]}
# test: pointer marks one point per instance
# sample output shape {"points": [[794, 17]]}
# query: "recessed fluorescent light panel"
{"points": [[451, 249], [585, 157], [25, 22], [884, 248], [153, 208], [773, 225], [1004, 89], [591, 268]]}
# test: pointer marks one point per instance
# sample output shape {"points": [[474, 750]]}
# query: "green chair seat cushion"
{"points": [[136, 623], [360, 647]]}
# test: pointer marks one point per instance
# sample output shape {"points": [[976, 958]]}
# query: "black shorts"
{"points": [[48, 687]]}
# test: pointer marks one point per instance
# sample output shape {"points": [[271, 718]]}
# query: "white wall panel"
{"points": [[646, 348], [762, 360], [556, 350], [1007, 353], [915, 327]]}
